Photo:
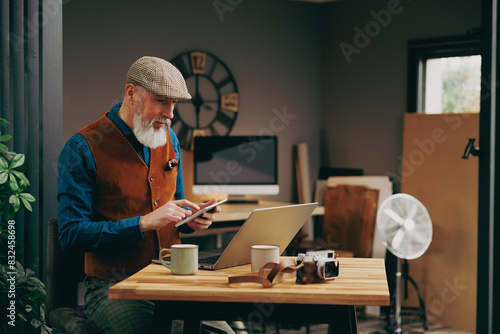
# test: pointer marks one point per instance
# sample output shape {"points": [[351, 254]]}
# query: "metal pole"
{"points": [[397, 314]]}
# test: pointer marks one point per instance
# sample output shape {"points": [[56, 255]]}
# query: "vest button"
{"points": [[155, 203], [151, 179]]}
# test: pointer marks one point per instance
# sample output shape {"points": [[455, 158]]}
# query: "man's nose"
{"points": [[168, 110]]}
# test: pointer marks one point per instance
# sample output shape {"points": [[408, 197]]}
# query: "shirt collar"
{"points": [[113, 116]]}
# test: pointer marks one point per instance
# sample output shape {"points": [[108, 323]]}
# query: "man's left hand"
{"points": [[205, 220]]}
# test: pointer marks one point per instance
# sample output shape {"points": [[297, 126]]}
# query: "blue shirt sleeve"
{"points": [[75, 193]]}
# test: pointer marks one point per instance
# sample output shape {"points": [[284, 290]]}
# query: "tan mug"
{"points": [[260, 255], [183, 259]]}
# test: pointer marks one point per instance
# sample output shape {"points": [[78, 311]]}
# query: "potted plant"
{"points": [[22, 292]]}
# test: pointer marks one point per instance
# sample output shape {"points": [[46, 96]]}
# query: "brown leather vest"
{"points": [[127, 188]]}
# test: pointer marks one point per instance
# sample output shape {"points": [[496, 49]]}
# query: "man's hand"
{"points": [[170, 212], [205, 220]]}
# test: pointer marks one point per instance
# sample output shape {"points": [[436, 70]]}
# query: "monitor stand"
{"points": [[240, 199]]}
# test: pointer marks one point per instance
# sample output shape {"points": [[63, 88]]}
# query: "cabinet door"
{"points": [[434, 172]]}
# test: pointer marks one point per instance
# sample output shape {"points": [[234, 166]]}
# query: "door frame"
{"points": [[488, 255]]}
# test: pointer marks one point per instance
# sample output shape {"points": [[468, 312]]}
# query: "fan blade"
{"points": [[398, 238], [417, 238], [413, 211], [422, 220], [392, 229], [394, 216]]}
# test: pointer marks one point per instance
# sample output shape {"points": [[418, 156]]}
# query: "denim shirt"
{"points": [[76, 187]]}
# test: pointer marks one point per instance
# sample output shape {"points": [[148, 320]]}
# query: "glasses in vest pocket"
{"points": [[171, 164]]}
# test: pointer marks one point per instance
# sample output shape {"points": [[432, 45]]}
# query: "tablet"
{"points": [[196, 214]]}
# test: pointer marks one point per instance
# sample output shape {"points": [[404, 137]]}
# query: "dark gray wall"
{"points": [[272, 48], [364, 100], [284, 54]]}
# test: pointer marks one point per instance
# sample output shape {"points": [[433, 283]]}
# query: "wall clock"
{"points": [[214, 107]]}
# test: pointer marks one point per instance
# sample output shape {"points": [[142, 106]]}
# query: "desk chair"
{"points": [[64, 272], [348, 222], [350, 215]]}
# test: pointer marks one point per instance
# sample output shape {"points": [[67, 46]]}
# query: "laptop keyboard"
{"points": [[209, 259]]}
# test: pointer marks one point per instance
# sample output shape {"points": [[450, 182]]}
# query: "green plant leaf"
{"points": [[2, 206], [4, 163], [7, 211], [3, 148], [20, 268], [22, 186], [3, 177], [26, 204], [13, 185], [17, 161], [23, 317], [5, 137], [21, 176], [27, 196], [3, 122], [16, 204]]}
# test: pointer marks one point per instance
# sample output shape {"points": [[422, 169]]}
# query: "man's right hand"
{"points": [[170, 212]]}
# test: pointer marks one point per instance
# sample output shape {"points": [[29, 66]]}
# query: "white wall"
{"points": [[272, 48]]}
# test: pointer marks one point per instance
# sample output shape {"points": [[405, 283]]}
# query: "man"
{"points": [[120, 194]]}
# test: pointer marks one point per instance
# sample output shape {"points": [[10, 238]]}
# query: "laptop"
{"points": [[266, 226]]}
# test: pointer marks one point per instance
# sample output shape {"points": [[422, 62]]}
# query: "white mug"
{"points": [[260, 255], [183, 259]]}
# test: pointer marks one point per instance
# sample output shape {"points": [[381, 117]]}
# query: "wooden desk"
{"points": [[208, 296]]}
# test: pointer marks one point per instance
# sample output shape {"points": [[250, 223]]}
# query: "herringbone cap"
{"points": [[159, 77]]}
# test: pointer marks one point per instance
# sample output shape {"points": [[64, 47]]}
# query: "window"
{"points": [[444, 75]]}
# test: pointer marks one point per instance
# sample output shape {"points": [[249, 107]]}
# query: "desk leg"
{"points": [[348, 327], [192, 326], [162, 323]]}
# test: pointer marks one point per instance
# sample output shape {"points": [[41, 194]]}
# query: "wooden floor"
{"points": [[366, 325]]}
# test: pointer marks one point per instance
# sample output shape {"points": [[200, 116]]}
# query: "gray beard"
{"points": [[146, 134]]}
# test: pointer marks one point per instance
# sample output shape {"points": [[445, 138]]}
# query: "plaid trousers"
{"points": [[120, 316]]}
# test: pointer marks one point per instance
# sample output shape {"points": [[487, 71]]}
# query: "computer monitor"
{"points": [[236, 166]]}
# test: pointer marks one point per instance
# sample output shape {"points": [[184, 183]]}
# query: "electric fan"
{"points": [[405, 228]]}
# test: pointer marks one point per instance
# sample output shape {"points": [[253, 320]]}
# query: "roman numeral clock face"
{"points": [[213, 109]]}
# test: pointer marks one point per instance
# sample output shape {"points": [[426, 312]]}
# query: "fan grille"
{"points": [[404, 226]]}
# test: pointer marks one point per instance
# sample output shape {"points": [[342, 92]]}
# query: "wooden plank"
{"points": [[434, 172], [361, 282], [304, 185]]}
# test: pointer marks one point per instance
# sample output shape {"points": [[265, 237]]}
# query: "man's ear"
{"points": [[129, 93]]}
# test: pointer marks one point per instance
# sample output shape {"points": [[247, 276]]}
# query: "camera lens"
{"points": [[330, 269]]}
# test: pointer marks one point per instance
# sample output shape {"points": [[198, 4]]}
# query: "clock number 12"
{"points": [[198, 61]]}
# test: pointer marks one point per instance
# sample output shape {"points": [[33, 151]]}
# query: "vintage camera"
{"points": [[318, 267]]}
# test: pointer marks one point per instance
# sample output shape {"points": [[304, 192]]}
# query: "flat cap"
{"points": [[159, 77]]}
